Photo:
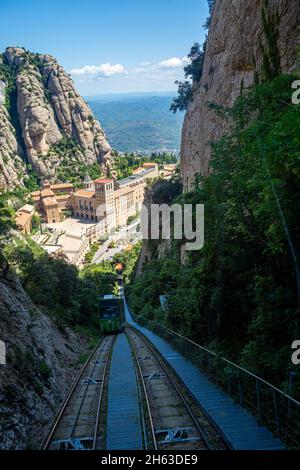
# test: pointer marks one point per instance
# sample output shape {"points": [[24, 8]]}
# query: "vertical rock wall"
{"points": [[234, 55]]}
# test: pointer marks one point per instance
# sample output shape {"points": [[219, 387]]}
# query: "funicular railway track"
{"points": [[127, 397], [172, 418], [169, 420], [136, 391], [78, 423]]}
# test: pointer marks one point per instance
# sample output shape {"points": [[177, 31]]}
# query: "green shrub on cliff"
{"points": [[56, 286]]}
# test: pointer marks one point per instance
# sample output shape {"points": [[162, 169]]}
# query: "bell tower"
{"points": [[104, 190]]}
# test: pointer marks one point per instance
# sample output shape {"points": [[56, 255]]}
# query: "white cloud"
{"points": [[141, 69], [169, 68], [158, 75], [174, 62], [96, 71]]}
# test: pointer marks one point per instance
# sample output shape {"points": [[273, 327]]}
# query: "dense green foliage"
{"points": [[55, 285], [33, 181], [185, 96], [240, 293], [91, 253], [129, 259], [271, 56], [7, 216], [102, 276], [10, 202], [71, 167], [194, 68]]}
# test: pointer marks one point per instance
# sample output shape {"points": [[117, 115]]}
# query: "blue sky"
{"points": [[110, 46]]}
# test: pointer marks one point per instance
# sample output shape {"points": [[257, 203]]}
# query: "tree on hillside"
{"points": [[211, 4], [193, 70], [6, 218], [193, 73], [185, 95]]}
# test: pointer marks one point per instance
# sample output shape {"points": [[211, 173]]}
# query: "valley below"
{"points": [[140, 123]]}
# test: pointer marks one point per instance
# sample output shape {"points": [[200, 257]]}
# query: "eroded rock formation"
{"points": [[73, 113], [48, 108], [12, 167]]}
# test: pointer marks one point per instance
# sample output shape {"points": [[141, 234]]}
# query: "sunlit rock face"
{"points": [[46, 107], [12, 167], [29, 400], [233, 57]]}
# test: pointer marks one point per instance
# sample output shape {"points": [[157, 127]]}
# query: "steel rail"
{"points": [[145, 392], [102, 347], [165, 368], [104, 375], [49, 439]]}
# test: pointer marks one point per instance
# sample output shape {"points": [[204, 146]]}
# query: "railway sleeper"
{"points": [[154, 375], [90, 381], [169, 436], [76, 443]]}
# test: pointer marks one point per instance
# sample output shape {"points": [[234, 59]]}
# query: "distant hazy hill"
{"points": [[138, 122]]}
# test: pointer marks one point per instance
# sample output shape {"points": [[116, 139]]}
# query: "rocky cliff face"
{"points": [[236, 48], [74, 115], [12, 167], [39, 367], [48, 108]]}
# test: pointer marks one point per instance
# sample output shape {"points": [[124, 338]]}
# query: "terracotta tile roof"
{"points": [[138, 170], [149, 165], [122, 191], [26, 208], [84, 193], [104, 180], [50, 201], [61, 186], [61, 197], [47, 193]]}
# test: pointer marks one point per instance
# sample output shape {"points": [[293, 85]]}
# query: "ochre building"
{"points": [[103, 199]]}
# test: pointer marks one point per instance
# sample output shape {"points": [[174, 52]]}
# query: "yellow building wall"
{"points": [[53, 214]]}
